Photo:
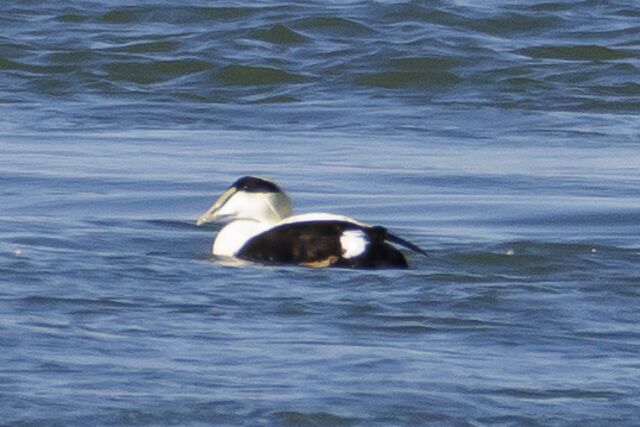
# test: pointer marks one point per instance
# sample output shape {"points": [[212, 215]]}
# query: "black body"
{"points": [[317, 244]]}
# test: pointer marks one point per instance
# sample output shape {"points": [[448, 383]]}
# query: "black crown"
{"points": [[254, 184]]}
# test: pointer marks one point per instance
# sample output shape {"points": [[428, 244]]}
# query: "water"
{"points": [[501, 137]]}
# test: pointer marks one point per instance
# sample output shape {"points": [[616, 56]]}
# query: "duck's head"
{"points": [[250, 197]]}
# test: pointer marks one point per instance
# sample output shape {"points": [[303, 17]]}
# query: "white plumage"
{"points": [[354, 243]]}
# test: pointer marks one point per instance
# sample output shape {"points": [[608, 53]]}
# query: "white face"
{"points": [[262, 207], [246, 205]]}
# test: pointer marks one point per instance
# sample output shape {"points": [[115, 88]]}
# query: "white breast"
{"points": [[234, 235]]}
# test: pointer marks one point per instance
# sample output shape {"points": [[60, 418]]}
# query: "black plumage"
{"points": [[317, 244], [255, 184]]}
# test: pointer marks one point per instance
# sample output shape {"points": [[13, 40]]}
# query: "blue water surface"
{"points": [[502, 137]]}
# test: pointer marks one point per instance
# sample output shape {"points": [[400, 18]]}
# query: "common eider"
{"points": [[260, 228]]}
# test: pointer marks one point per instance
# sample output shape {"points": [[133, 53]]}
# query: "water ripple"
{"points": [[380, 55], [501, 136]]}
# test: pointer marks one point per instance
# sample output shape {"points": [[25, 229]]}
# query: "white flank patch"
{"points": [[353, 242]]}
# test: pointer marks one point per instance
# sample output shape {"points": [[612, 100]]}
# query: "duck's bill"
{"points": [[213, 213]]}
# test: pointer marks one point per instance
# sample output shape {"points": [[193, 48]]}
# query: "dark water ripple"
{"points": [[570, 56]]}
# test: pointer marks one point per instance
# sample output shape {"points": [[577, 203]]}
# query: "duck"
{"points": [[260, 228]]}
